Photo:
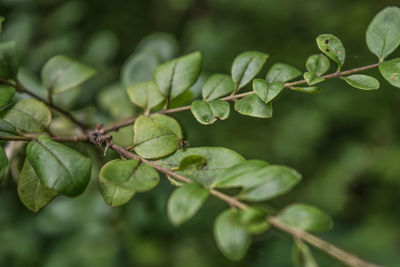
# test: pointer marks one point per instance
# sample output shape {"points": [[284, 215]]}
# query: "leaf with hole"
{"points": [[267, 92], [59, 167], [156, 136], [6, 94], [331, 46], [218, 85], [312, 78], [146, 95], [208, 112], [361, 81], [383, 33], [185, 201], [176, 76], [32, 193], [29, 115], [252, 105], [313, 90], [390, 70], [3, 162], [281, 72], [318, 64], [305, 217], [9, 62], [246, 66], [61, 73]]}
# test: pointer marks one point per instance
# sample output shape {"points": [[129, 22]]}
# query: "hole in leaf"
{"points": [[327, 41], [327, 50]]}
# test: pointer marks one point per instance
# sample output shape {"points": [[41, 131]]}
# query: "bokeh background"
{"points": [[344, 141]]}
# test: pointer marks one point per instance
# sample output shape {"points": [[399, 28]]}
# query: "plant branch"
{"points": [[81, 138]]}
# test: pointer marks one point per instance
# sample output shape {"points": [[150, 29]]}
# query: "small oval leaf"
{"points": [[312, 78], [216, 86], [331, 46], [146, 95], [318, 64], [267, 92], [281, 72], [192, 162], [6, 93], [390, 70], [361, 81], [313, 90], [209, 112], [252, 105]]}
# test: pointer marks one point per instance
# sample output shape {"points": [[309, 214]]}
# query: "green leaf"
{"points": [[275, 181], [114, 195], [362, 81], [3, 162], [9, 62], [178, 75], [163, 45], [1, 21], [32, 193], [318, 64], [129, 174], [6, 93], [281, 72], [233, 240], [305, 217], [185, 201], [146, 95], [313, 90], [62, 73], [6, 129], [253, 220], [267, 92], [139, 67], [246, 66], [192, 162], [216, 86], [390, 70], [59, 167], [218, 159], [312, 78], [29, 115], [302, 256], [252, 105], [331, 46], [383, 34], [156, 136], [208, 112]]}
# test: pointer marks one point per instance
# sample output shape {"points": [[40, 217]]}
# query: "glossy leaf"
{"points": [[3, 162], [62, 73], [253, 106], [313, 90], [275, 181], [178, 75], [6, 93], [390, 70], [185, 201], [233, 240], [302, 256], [383, 34], [146, 95], [156, 136], [32, 193], [114, 195], [246, 66], [362, 81], [281, 72], [331, 46], [305, 217], [6, 129], [253, 220], [9, 62], [318, 64], [29, 115], [312, 79], [192, 162], [209, 112], [218, 159], [218, 85], [58, 166], [267, 92]]}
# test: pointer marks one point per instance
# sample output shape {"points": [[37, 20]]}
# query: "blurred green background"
{"points": [[344, 141]]}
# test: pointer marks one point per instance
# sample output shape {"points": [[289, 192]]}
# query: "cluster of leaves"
{"points": [[51, 168]]}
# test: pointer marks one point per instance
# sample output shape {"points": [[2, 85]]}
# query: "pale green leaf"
{"points": [[3, 162], [246, 66], [313, 90], [9, 62], [146, 95], [267, 92], [362, 81], [139, 67], [253, 220], [185, 201], [312, 79], [192, 162], [6, 93], [216, 86], [281, 72], [32, 193], [209, 112], [58, 166], [390, 70], [163, 45], [253, 106], [318, 64], [331, 46]]}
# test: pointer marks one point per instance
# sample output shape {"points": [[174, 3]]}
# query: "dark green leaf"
{"points": [[216, 86], [209, 112], [390, 70], [318, 64], [29, 115], [305, 217], [312, 78], [185, 201], [383, 34], [178, 75], [313, 90], [1, 21], [253, 220], [6, 129], [6, 93], [146, 95], [62, 73], [302, 256], [3, 162], [246, 66], [156, 136], [233, 240], [192, 162], [9, 62], [253, 106], [362, 81], [266, 91], [331, 46], [32, 193], [281, 72], [59, 167]]}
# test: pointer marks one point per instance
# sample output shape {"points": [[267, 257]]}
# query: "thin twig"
{"points": [[81, 138]]}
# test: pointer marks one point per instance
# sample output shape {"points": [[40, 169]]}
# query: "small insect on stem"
{"points": [[183, 144]]}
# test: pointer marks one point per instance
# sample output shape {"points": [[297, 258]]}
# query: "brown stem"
{"points": [[81, 138]]}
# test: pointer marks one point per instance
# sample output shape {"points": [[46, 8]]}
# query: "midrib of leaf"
{"points": [[154, 138], [29, 115], [171, 80], [245, 70], [216, 86]]}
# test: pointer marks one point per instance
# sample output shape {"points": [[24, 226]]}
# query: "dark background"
{"points": [[344, 141]]}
